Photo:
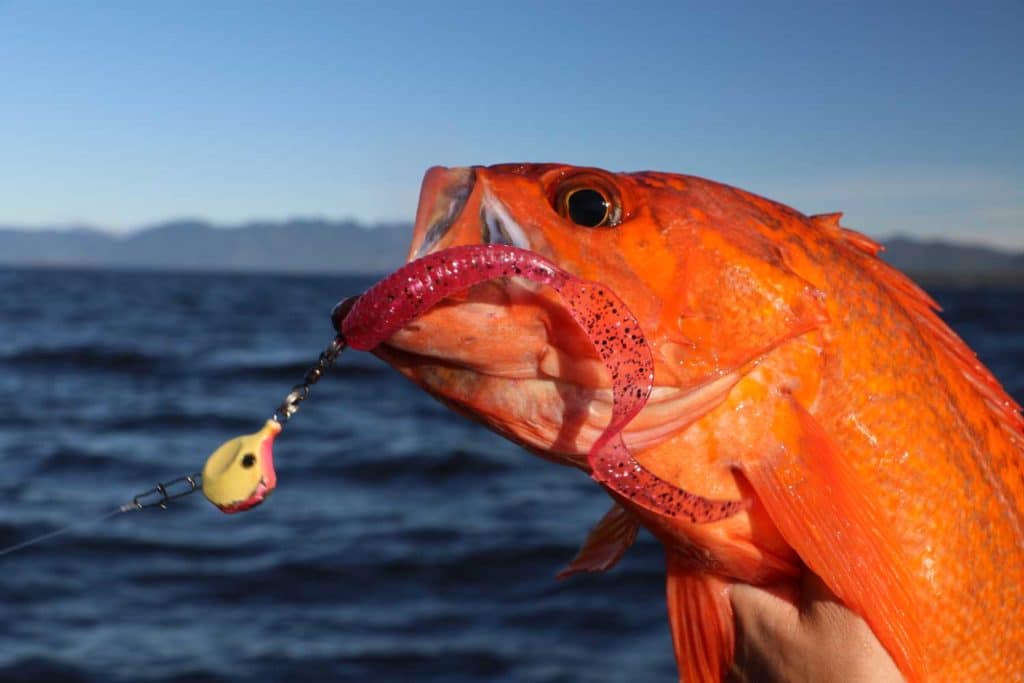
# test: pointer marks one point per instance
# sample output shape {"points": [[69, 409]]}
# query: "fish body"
{"points": [[795, 374]]}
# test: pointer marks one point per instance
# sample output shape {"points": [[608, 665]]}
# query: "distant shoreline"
{"points": [[350, 248], [1009, 280], [188, 270], [968, 280]]}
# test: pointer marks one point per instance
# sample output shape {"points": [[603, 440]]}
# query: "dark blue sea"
{"points": [[403, 542]]}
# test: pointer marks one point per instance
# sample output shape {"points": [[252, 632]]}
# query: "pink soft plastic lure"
{"points": [[414, 288]]}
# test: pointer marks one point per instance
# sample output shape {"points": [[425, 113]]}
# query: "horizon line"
{"points": [[128, 233]]}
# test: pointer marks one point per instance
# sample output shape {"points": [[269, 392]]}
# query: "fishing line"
{"points": [[128, 507], [158, 496], [164, 492], [240, 473]]}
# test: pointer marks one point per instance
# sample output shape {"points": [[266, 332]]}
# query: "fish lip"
{"points": [[670, 409], [402, 357], [497, 226], [489, 298], [409, 356], [448, 205], [660, 393], [406, 359]]}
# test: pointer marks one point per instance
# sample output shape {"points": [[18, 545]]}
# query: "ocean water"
{"points": [[403, 542]]}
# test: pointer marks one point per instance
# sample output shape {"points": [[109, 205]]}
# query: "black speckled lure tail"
{"points": [[613, 330]]}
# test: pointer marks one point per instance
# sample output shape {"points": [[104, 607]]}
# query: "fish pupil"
{"points": [[248, 460], [587, 207]]}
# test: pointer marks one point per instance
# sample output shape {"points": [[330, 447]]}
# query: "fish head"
{"points": [[240, 474], [699, 265]]}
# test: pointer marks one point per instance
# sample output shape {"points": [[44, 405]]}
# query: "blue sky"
{"points": [[907, 116]]}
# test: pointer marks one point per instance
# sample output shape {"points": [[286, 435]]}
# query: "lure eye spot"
{"points": [[248, 460]]}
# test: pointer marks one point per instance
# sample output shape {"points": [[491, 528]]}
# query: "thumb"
{"points": [[767, 623]]}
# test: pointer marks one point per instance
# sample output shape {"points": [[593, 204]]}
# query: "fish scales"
{"points": [[795, 374]]}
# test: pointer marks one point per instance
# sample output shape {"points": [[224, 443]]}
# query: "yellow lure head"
{"points": [[240, 474]]}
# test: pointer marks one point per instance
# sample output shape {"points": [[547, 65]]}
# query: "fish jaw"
{"points": [[508, 352], [504, 352], [508, 355], [557, 416], [458, 206]]}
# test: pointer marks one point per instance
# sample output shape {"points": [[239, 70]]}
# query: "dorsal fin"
{"points": [[827, 221], [830, 222], [924, 310], [861, 241]]}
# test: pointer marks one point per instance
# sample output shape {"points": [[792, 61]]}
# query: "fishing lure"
{"points": [[240, 474], [613, 330]]}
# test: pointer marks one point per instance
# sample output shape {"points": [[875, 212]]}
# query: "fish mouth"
{"points": [[445, 194], [508, 352], [450, 198], [497, 226], [556, 405]]}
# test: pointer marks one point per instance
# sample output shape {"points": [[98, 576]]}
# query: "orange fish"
{"points": [[809, 410]]}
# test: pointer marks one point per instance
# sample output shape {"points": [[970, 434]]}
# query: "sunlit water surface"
{"points": [[403, 543]]}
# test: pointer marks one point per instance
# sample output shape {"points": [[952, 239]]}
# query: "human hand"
{"points": [[802, 632]]}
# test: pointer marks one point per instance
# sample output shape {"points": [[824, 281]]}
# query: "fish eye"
{"points": [[248, 460], [587, 202], [587, 207]]}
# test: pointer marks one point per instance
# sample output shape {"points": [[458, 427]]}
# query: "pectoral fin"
{"points": [[822, 510], [606, 543]]}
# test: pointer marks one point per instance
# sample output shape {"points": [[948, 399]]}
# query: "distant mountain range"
{"points": [[295, 246], [936, 257], [324, 246]]}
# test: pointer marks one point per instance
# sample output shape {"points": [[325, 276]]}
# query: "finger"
{"points": [[767, 622], [814, 592], [837, 629]]}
